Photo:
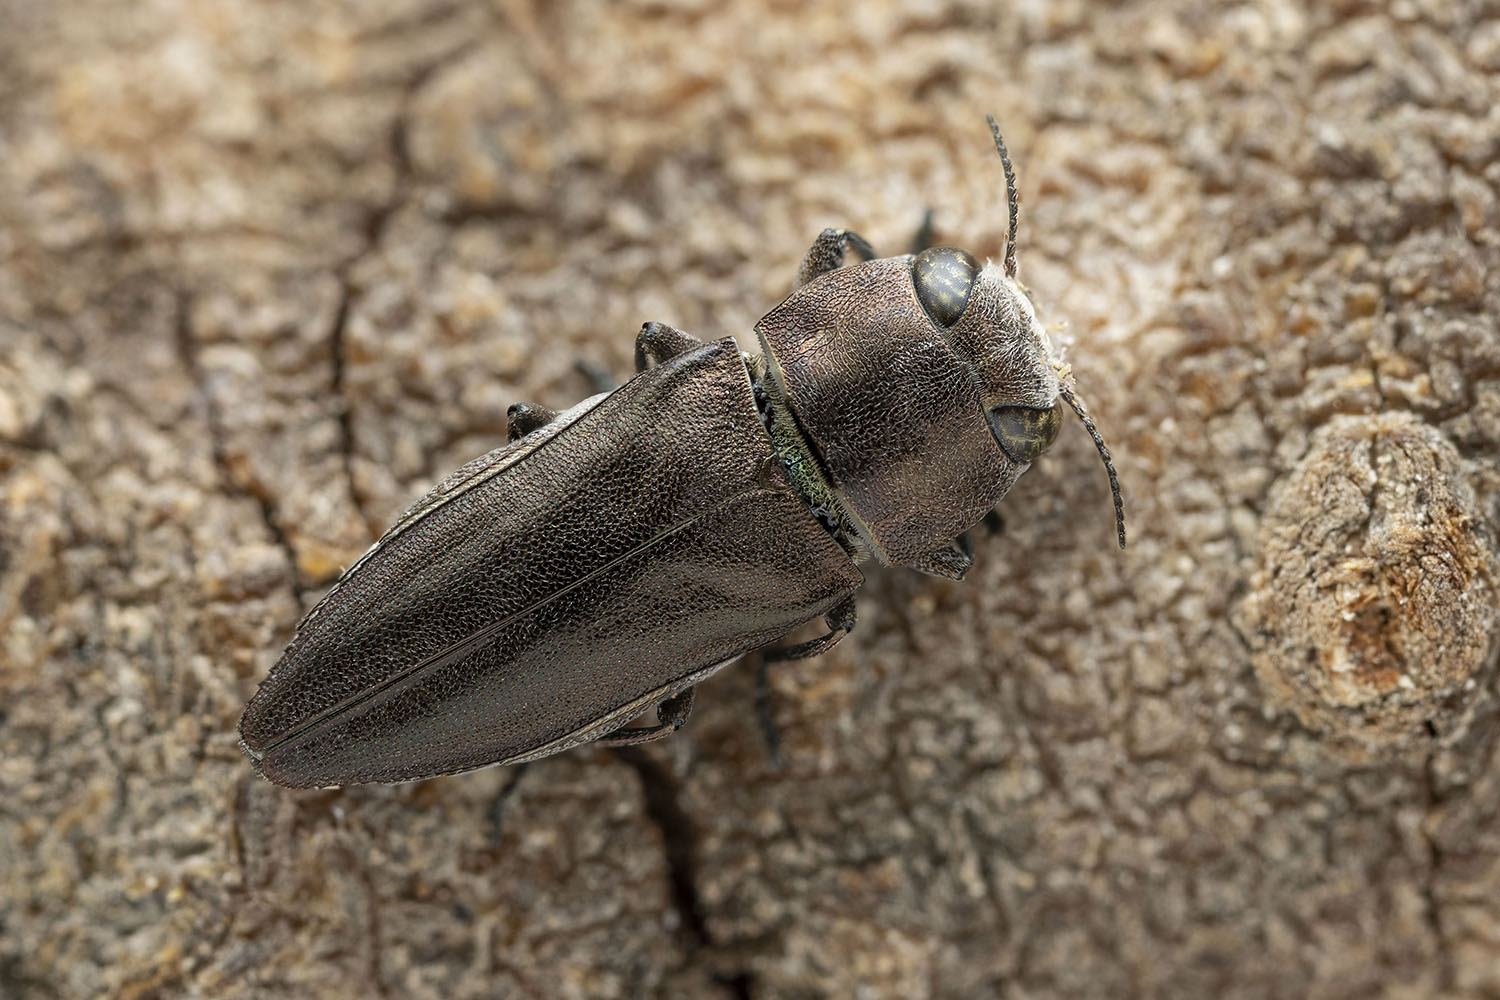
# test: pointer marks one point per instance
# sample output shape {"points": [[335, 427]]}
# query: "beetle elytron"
{"points": [[613, 555]]}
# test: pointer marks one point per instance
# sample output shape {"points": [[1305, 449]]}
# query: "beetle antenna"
{"points": [[1114, 482], [1011, 197]]}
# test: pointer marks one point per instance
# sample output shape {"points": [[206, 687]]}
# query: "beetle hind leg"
{"points": [[672, 714], [827, 253], [658, 342], [840, 620]]}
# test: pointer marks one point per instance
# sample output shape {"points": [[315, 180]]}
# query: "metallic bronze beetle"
{"points": [[613, 555]]}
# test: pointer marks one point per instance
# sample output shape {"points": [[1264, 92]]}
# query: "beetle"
{"points": [[611, 556]]}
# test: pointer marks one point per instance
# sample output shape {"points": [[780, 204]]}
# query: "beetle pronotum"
{"points": [[612, 555]]}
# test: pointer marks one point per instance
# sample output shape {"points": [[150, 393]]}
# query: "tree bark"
{"points": [[267, 270]]}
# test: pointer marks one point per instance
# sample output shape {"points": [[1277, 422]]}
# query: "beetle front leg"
{"points": [[827, 253], [950, 561], [658, 342], [922, 239], [672, 713]]}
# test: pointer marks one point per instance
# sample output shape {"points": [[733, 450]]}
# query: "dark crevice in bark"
{"points": [[663, 809], [376, 223], [338, 353], [678, 843], [373, 930], [738, 985], [122, 785], [1432, 909], [187, 350]]}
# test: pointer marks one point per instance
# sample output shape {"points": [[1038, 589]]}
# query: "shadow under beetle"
{"points": [[613, 555]]}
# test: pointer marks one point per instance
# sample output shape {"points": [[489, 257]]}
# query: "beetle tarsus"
{"points": [[523, 418], [828, 251], [672, 713], [658, 342]]}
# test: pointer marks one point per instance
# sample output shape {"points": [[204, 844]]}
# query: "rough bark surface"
{"points": [[269, 269]]}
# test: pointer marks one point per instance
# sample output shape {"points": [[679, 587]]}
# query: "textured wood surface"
{"points": [[269, 269]]}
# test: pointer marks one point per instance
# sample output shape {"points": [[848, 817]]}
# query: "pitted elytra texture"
{"points": [[446, 650]]}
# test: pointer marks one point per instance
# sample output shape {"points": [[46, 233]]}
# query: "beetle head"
{"points": [[989, 319]]}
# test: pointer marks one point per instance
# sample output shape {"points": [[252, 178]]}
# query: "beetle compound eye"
{"points": [[944, 278], [1024, 432]]}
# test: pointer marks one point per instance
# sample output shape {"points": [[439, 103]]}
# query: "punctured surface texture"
{"points": [[531, 602], [874, 383]]}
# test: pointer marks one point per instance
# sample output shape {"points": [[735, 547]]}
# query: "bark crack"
{"points": [[1432, 909], [187, 350], [679, 844], [375, 225], [678, 840]]}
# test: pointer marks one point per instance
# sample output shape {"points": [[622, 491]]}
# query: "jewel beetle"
{"points": [[612, 555]]}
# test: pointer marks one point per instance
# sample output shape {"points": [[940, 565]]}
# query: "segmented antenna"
{"points": [[1066, 392], [1011, 197]]}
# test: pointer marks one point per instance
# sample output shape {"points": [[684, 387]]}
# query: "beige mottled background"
{"points": [[269, 268]]}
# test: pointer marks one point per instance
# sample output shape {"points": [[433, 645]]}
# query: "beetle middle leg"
{"points": [[827, 253], [658, 342], [671, 714], [523, 418]]}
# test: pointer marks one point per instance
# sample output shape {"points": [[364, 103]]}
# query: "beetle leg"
{"points": [[827, 253], [840, 623], [523, 418], [672, 713], [598, 377], [841, 620], [994, 522], [765, 714], [658, 342], [951, 561], [922, 240]]}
